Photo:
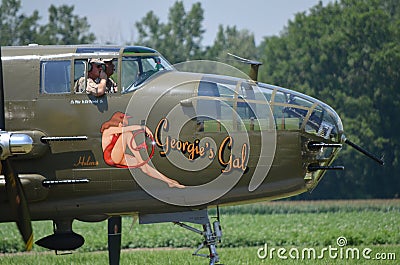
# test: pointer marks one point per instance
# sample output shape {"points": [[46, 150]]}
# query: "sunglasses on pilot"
{"points": [[102, 66]]}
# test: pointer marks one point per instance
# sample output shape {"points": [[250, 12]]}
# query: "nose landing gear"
{"points": [[211, 233], [211, 238]]}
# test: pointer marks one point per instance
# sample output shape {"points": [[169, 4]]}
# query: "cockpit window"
{"points": [[84, 73], [137, 69], [79, 73]]}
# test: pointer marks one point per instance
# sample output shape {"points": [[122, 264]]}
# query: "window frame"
{"points": [[52, 70]]}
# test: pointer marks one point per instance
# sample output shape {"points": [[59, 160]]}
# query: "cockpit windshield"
{"points": [[137, 69]]}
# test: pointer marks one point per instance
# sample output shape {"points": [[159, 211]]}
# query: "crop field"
{"points": [[283, 232]]}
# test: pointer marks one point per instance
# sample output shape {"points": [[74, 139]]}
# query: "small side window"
{"points": [[55, 77]]}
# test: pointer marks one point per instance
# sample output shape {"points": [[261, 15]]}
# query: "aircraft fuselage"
{"points": [[253, 137]]}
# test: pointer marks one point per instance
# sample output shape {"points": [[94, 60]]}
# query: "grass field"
{"points": [[289, 226]]}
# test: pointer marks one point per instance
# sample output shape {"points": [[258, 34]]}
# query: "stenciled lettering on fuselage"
{"points": [[194, 150], [86, 101]]}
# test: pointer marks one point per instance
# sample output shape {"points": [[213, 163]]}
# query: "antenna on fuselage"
{"points": [[254, 65]]}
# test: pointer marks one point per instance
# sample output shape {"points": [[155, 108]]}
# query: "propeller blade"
{"points": [[14, 188], [2, 111], [114, 239], [18, 203], [365, 152]]}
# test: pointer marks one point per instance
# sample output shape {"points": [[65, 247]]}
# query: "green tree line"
{"points": [[63, 26], [346, 54]]}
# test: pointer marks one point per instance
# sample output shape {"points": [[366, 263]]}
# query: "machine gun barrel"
{"points": [[318, 145], [318, 167], [365, 152]]}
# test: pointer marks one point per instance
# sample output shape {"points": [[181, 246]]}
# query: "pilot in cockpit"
{"points": [[111, 85], [96, 79]]}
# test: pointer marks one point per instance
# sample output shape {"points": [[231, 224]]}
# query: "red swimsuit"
{"points": [[110, 147], [108, 150]]}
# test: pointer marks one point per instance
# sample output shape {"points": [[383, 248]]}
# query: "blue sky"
{"points": [[113, 20]]}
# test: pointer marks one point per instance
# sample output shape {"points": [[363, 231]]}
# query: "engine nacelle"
{"points": [[21, 143]]}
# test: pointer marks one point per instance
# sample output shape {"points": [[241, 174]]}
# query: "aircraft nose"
{"points": [[332, 122], [304, 113], [330, 125], [316, 117]]}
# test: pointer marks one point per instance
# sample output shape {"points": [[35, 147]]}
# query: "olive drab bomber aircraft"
{"points": [[145, 138]]}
